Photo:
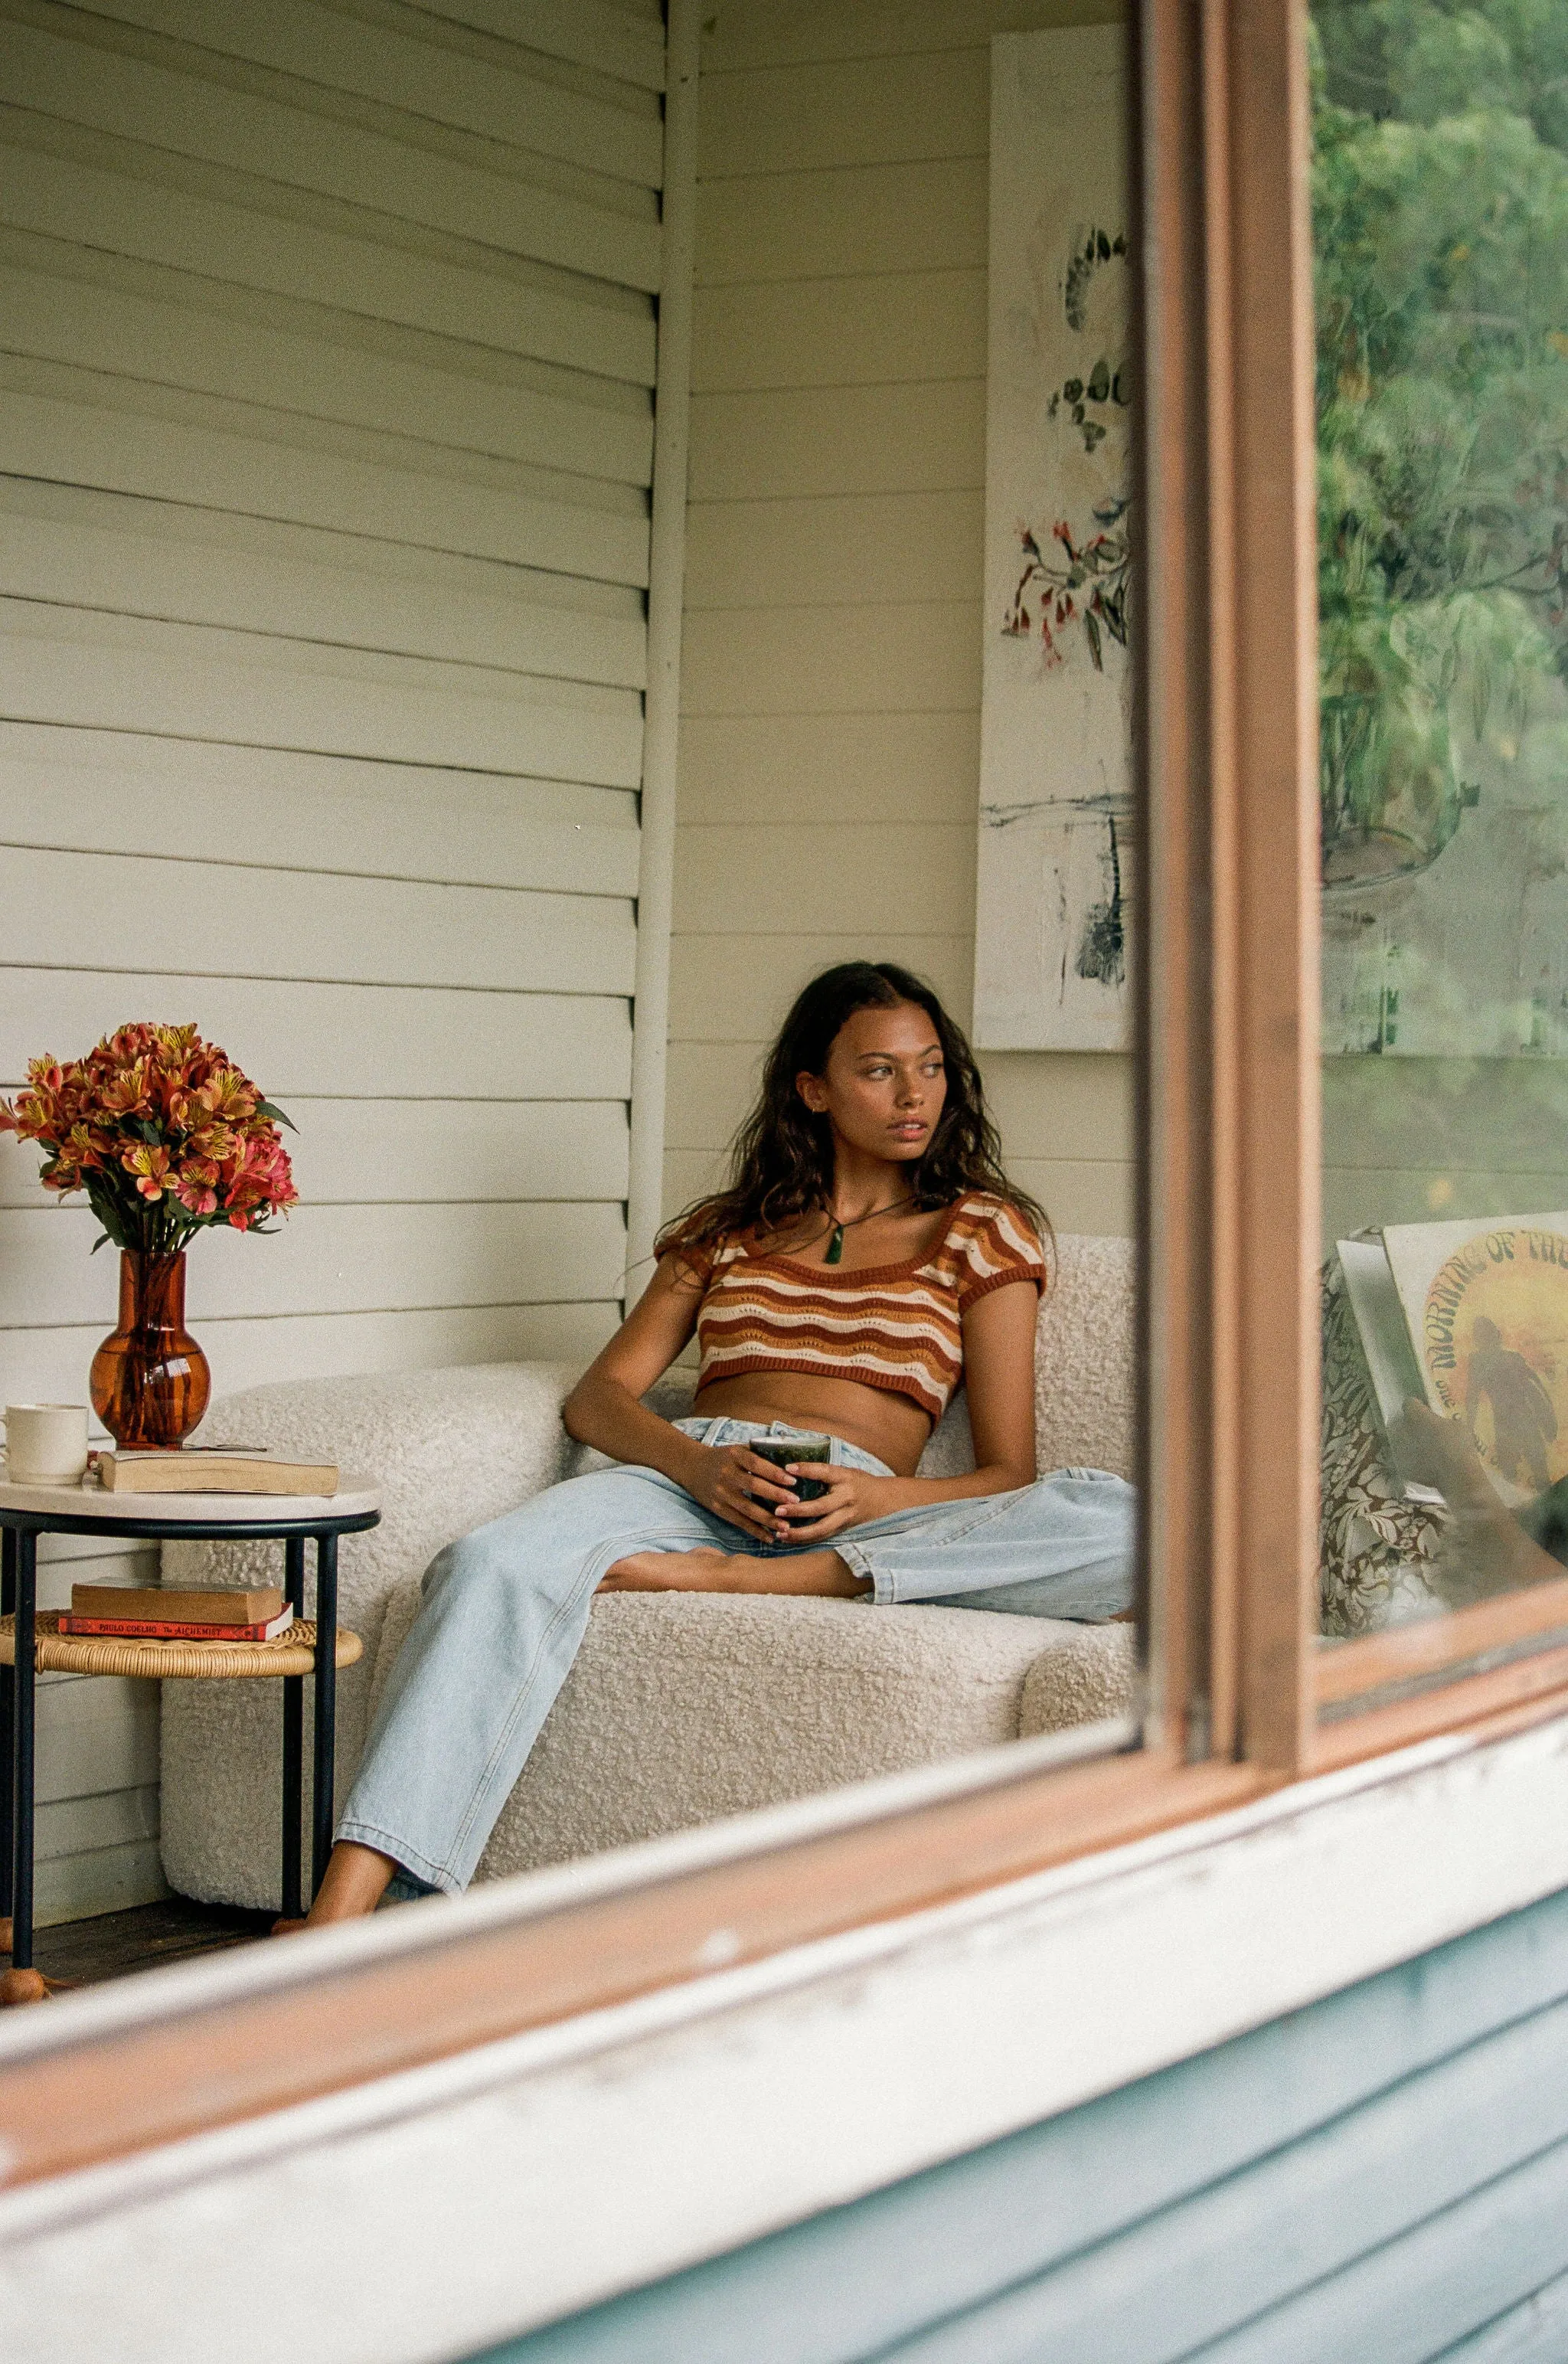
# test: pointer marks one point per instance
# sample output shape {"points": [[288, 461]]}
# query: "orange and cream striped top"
{"points": [[894, 1326]]}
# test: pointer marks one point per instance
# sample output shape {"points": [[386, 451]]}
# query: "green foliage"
{"points": [[1422, 60], [1440, 225]]}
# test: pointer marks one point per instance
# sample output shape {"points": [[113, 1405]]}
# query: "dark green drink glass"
{"points": [[782, 1450]]}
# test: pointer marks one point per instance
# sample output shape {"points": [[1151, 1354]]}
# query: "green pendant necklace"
{"points": [[836, 1244]]}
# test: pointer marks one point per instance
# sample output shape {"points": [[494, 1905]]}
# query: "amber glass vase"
{"points": [[150, 1380]]}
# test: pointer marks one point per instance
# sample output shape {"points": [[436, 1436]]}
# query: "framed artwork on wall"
{"points": [[1052, 930]]}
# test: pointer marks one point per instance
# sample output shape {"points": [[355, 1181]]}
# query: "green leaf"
{"points": [[271, 1108]]}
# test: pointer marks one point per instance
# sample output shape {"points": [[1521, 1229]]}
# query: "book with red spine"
{"points": [[174, 1629]]}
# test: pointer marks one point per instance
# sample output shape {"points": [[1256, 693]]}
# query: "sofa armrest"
{"points": [[448, 1450], [1088, 1673]]}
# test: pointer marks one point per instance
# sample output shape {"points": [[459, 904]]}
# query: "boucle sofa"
{"points": [[681, 1707]]}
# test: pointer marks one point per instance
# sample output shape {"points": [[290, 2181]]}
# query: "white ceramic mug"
{"points": [[46, 1445]]}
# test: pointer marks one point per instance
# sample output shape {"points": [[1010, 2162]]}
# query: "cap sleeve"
{"points": [[995, 1245], [697, 1261], [691, 1261]]}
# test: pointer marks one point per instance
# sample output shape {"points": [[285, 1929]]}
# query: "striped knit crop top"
{"points": [[894, 1326]]}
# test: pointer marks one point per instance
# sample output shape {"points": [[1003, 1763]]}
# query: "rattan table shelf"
{"points": [[31, 1644], [164, 1659]]}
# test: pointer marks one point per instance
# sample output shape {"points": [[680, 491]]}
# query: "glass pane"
{"points": [[871, 1403], [1440, 218]]}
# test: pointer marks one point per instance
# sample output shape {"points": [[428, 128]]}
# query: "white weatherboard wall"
{"points": [[830, 731], [326, 358]]}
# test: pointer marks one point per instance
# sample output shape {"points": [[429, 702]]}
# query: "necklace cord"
{"points": [[836, 1244]]}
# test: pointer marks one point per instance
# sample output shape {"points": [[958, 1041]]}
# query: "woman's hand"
{"points": [[727, 1481], [852, 1497]]}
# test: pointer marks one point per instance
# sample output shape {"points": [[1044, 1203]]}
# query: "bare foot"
{"points": [[283, 1927], [820, 1572], [24, 1986], [353, 1884], [29, 1986]]}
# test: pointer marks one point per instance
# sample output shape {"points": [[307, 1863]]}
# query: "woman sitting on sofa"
{"points": [[869, 1256]]}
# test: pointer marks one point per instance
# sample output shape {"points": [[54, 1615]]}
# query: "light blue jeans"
{"points": [[505, 1608]]}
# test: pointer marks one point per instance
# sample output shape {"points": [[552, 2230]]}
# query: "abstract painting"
{"points": [[1056, 763]]}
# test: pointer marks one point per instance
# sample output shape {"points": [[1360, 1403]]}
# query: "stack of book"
{"points": [[165, 1613], [213, 1469]]}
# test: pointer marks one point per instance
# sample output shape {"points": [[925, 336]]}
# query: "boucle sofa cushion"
{"points": [[681, 1707], [1089, 1672], [1086, 1403], [454, 1448]]}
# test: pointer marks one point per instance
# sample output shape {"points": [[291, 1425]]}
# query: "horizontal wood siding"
{"points": [[1383, 2175], [325, 437], [829, 740]]}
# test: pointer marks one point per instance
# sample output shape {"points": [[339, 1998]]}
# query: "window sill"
{"points": [[590, 2156]]}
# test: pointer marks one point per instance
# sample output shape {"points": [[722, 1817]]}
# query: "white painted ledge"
{"points": [[434, 2212]]}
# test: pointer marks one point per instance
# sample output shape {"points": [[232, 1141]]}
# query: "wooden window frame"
{"points": [[1228, 1308]]}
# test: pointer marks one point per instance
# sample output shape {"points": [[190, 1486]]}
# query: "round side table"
{"points": [[30, 1644]]}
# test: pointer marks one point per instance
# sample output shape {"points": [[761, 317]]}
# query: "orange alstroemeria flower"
{"points": [[229, 1096], [150, 1166], [218, 1143], [87, 1146], [126, 1092]]}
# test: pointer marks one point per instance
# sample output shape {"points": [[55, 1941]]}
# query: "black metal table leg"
{"points": [[294, 1740], [8, 1732], [326, 1719], [22, 1754]]}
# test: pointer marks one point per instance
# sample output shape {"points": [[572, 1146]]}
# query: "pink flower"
{"points": [[195, 1185]]}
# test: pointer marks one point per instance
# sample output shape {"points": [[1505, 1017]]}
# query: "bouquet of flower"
{"points": [[163, 1133]]}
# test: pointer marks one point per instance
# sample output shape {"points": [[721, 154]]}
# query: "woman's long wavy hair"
{"points": [[781, 1162]]}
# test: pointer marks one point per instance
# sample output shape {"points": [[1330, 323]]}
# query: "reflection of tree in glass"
{"points": [[1440, 197], [1086, 584]]}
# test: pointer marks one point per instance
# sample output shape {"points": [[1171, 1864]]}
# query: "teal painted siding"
{"points": [[1381, 2178]]}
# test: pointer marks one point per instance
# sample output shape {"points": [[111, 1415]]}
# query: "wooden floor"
{"points": [[114, 1945]]}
